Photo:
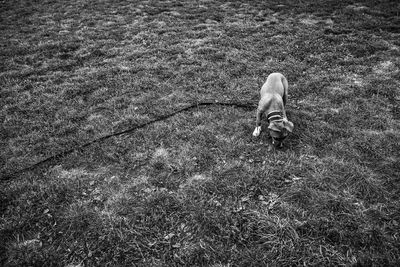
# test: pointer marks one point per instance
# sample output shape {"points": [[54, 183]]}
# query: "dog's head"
{"points": [[279, 130]]}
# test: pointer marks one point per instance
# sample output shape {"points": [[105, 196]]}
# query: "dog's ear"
{"points": [[274, 126], [288, 125]]}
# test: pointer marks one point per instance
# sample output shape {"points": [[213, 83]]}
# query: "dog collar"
{"points": [[275, 115]]}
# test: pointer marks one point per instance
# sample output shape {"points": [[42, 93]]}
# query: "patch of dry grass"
{"points": [[197, 188]]}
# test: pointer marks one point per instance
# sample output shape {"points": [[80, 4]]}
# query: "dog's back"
{"points": [[276, 84]]}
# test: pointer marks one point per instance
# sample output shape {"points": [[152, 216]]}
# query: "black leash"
{"points": [[52, 160]]}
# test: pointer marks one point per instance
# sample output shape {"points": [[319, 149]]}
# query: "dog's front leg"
{"points": [[257, 130], [284, 114]]}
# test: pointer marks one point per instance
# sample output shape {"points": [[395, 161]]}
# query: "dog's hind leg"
{"points": [[285, 90]]}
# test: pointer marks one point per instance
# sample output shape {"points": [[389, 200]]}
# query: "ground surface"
{"points": [[197, 188]]}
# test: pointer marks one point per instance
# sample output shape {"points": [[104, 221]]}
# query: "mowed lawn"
{"points": [[196, 188]]}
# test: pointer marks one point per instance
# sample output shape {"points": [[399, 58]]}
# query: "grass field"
{"points": [[196, 189]]}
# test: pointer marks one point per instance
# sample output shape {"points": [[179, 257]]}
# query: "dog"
{"points": [[273, 98]]}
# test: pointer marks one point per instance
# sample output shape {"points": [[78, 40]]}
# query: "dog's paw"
{"points": [[257, 131]]}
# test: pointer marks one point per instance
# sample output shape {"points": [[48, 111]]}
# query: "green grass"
{"points": [[196, 188]]}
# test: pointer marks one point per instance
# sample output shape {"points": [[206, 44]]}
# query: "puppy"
{"points": [[273, 100]]}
